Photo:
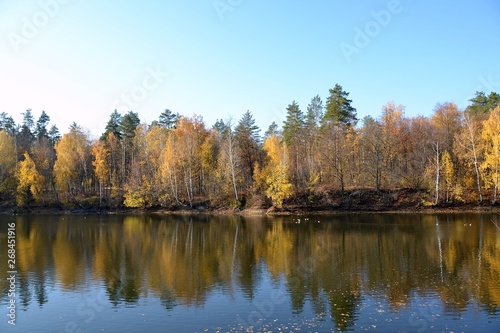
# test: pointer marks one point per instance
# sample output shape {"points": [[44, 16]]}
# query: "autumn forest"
{"points": [[178, 162]]}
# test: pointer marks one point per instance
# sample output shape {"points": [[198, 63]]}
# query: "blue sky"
{"points": [[78, 60]]}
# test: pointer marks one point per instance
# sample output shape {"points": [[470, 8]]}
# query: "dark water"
{"points": [[378, 273]]}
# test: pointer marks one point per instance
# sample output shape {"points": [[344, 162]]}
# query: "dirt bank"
{"points": [[325, 202]]}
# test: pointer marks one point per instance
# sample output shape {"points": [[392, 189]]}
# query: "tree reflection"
{"points": [[327, 267]]}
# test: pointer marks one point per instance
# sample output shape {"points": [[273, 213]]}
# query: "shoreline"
{"points": [[296, 211], [355, 201]]}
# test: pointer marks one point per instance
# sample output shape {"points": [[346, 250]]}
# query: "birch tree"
{"points": [[170, 166], [71, 169], [7, 162], [30, 182], [470, 134], [491, 140], [448, 174], [230, 161], [102, 165], [446, 120], [275, 173], [437, 161], [373, 150]]}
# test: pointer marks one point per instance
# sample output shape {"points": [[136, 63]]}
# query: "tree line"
{"points": [[178, 161]]}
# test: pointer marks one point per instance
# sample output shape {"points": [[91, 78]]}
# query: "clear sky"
{"points": [[80, 59]]}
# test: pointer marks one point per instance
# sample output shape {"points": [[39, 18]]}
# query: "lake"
{"points": [[149, 273]]}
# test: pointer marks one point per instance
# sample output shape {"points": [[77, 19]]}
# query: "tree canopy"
{"points": [[178, 161]]}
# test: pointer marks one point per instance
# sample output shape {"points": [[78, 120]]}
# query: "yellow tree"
{"points": [[190, 134], [208, 154], [142, 188], [71, 172], [372, 145], [417, 152], [101, 163], [7, 162], [43, 154], [448, 173], [146, 175], [156, 138], [491, 140], [446, 120], [393, 137], [30, 182], [186, 139], [229, 163], [116, 171], [169, 167], [276, 172], [135, 195], [467, 147]]}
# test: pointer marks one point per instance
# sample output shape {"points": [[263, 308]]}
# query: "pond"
{"points": [[151, 273]]}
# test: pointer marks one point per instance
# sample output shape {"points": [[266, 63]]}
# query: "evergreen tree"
{"points": [[293, 124], [128, 124], [75, 127], [28, 121], [248, 141], [314, 113], [312, 122], [220, 126], [338, 108], [41, 126], [294, 137], [26, 135], [7, 124], [54, 134], [113, 125], [246, 128], [168, 119], [482, 104], [271, 130]]}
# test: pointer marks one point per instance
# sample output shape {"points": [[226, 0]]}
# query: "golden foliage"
{"points": [[101, 163], [7, 160], [30, 182], [276, 172], [73, 153], [491, 141], [279, 188], [448, 172]]}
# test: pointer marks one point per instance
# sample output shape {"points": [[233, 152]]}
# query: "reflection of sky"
{"points": [[89, 310]]}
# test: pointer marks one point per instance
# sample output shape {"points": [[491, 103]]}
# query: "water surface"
{"points": [[379, 273]]}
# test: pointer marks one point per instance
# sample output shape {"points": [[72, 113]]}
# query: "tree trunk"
{"points": [[438, 169], [187, 191], [495, 189], [476, 167], [231, 163], [100, 193]]}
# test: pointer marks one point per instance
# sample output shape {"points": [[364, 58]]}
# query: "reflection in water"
{"points": [[330, 266]]}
